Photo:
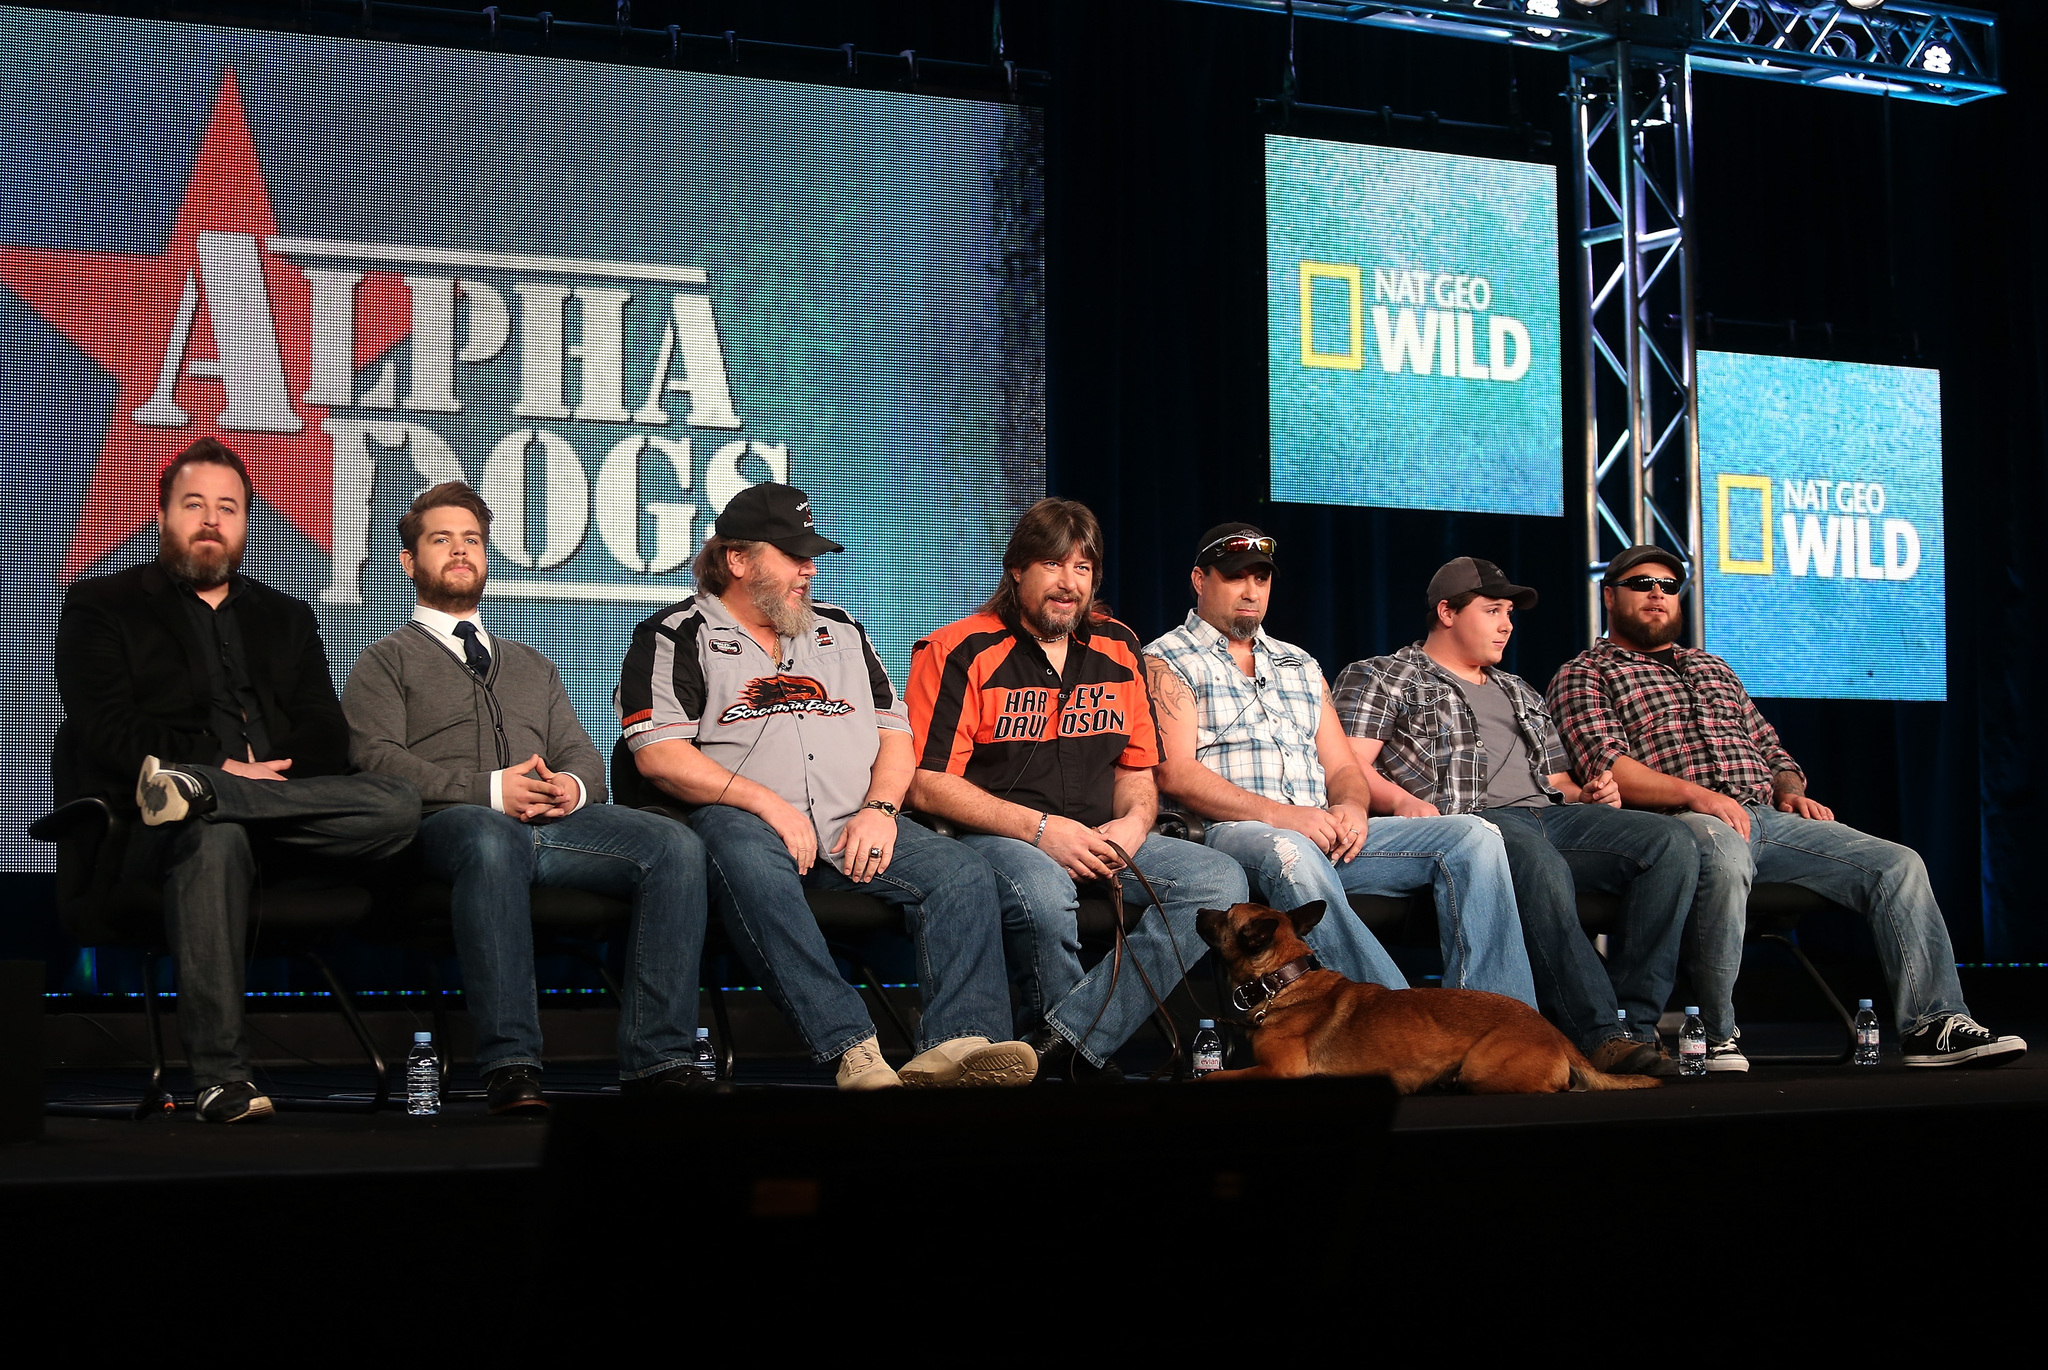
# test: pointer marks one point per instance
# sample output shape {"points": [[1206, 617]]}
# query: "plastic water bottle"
{"points": [[1208, 1048], [705, 1058], [1866, 1034], [1692, 1043], [422, 1077]]}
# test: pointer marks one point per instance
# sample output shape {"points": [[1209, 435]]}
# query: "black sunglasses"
{"points": [[1642, 585]]}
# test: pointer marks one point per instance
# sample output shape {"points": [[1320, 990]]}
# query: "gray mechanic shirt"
{"points": [[804, 725], [1510, 775]]}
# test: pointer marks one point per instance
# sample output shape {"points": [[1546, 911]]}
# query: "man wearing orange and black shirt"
{"points": [[1034, 735]]}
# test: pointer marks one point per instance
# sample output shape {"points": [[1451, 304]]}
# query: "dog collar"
{"points": [[1254, 993]]}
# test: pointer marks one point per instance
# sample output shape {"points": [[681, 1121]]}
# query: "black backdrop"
{"points": [[1155, 267]]}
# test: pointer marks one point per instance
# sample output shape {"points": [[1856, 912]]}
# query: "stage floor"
{"points": [[464, 1139]]}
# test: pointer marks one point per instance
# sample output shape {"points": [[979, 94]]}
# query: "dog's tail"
{"points": [[1586, 1076]]}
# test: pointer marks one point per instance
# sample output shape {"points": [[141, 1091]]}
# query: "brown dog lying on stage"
{"points": [[1309, 1021]]}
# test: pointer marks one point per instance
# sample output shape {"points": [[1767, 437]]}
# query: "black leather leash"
{"points": [[1176, 1056]]}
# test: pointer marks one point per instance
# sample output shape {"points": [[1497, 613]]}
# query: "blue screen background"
{"points": [[872, 261], [1823, 428], [1366, 437]]}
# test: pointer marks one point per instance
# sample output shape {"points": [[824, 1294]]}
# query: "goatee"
{"points": [[1047, 621], [1243, 627]]}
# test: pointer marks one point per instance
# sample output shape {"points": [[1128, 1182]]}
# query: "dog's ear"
{"points": [[1211, 924], [1306, 917], [1256, 936]]}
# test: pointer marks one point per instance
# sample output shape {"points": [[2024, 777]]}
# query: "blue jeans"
{"points": [[1458, 857], [1644, 857], [1881, 880], [948, 899], [494, 861], [1041, 935]]}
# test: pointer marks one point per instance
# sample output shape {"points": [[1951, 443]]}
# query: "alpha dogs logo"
{"points": [[590, 373], [769, 695]]}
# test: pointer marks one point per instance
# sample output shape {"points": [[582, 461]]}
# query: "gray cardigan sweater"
{"points": [[416, 712]]}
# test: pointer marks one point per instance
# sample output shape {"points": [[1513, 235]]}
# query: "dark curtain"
{"points": [[1886, 231]]}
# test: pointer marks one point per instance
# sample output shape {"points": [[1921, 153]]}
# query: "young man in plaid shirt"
{"points": [[1252, 744], [1440, 728], [1680, 734]]}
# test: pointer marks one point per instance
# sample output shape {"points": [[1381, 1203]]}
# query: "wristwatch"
{"points": [[884, 805]]}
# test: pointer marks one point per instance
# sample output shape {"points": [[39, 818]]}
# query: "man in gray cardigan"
{"points": [[513, 791]]}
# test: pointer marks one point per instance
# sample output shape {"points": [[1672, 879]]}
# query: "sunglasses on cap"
{"points": [[1238, 542], [1642, 585]]}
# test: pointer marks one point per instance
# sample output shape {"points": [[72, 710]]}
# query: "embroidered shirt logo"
{"points": [[725, 646], [769, 695]]}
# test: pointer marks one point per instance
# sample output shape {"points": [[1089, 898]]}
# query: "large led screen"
{"points": [[1824, 559], [1412, 329], [610, 297]]}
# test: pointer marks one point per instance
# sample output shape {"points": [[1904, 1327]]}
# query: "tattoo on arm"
{"points": [[1169, 692]]}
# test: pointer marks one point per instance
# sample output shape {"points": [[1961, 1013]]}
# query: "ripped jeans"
{"points": [[1458, 857]]}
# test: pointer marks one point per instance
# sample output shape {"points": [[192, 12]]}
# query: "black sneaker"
{"points": [[1959, 1040], [514, 1089], [673, 1083], [238, 1101], [170, 796], [1057, 1060]]}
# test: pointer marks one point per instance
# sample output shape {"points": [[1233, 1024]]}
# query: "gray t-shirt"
{"points": [[1510, 776]]}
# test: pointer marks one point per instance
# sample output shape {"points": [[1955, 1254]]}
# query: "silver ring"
{"points": [[875, 852], [1354, 832]]}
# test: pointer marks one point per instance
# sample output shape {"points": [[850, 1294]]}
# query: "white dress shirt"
{"points": [[442, 626]]}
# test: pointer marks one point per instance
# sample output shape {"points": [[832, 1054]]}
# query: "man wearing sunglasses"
{"points": [[1681, 735], [1252, 744], [1439, 728]]}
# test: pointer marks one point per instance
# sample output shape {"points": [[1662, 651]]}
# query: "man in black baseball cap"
{"points": [[1665, 559], [1440, 728], [1234, 548], [779, 515]]}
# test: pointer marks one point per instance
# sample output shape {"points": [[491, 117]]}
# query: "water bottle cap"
{"points": [[419, 1037], [1692, 1010], [1862, 1003], [1205, 1023], [702, 1033]]}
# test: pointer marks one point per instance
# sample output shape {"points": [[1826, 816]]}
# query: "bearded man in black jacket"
{"points": [[206, 697]]}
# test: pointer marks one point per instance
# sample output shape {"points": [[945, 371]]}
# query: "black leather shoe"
{"points": [[1057, 1060], [514, 1089], [674, 1083]]}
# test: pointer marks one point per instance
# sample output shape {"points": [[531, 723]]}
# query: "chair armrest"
{"points": [[76, 819], [932, 821], [1188, 827]]}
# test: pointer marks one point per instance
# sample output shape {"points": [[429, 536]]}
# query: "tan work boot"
{"points": [[862, 1067], [970, 1062]]}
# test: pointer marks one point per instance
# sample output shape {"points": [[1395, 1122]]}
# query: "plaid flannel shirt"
{"points": [[1433, 749], [1697, 723], [1259, 738]]}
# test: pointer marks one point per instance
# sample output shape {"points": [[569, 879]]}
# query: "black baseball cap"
{"points": [[1636, 556], [1471, 573], [1208, 552], [779, 515]]}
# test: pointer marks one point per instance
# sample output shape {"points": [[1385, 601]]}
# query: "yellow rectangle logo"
{"points": [[1311, 272], [1731, 566]]}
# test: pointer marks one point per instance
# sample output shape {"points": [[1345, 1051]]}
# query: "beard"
{"points": [[771, 601], [1650, 633], [204, 562], [1051, 618], [447, 594], [1243, 627]]}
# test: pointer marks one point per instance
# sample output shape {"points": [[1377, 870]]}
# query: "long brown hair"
{"points": [[1049, 531]]}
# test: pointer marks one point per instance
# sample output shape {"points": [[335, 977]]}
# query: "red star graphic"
{"points": [[121, 311]]}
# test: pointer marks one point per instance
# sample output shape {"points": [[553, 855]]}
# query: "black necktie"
{"points": [[473, 651]]}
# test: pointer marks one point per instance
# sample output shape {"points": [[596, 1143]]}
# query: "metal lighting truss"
{"points": [[1631, 94]]}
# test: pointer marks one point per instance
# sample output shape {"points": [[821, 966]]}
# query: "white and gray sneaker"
{"points": [[1958, 1040], [168, 796], [238, 1101], [862, 1067], [1726, 1055], [967, 1062]]}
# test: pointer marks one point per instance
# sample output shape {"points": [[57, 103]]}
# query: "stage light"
{"points": [[1937, 60], [1865, 5], [1542, 9]]}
